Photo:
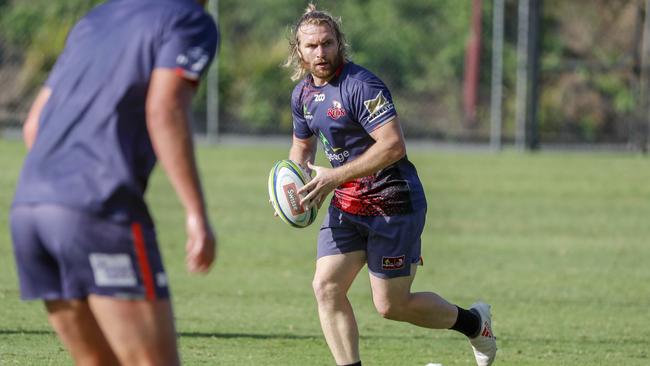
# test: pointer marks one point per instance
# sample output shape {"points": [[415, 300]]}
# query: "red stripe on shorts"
{"points": [[143, 260]]}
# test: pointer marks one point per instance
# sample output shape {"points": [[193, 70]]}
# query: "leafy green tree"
{"points": [[38, 28]]}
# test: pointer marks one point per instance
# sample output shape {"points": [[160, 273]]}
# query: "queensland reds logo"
{"points": [[392, 263], [336, 111]]}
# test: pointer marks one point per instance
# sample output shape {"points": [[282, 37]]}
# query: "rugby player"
{"points": [[117, 100], [378, 208]]}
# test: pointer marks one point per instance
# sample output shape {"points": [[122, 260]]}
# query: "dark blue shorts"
{"points": [[392, 243], [63, 253]]}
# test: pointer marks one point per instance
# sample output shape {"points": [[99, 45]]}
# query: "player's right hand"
{"points": [[201, 246], [322, 184]]}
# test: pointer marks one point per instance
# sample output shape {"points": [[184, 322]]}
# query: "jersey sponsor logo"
{"points": [[113, 270], [333, 153], [305, 112], [336, 111], [340, 157], [392, 263], [326, 143], [378, 106], [319, 97], [291, 192]]}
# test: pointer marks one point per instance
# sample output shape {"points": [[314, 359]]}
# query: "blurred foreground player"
{"points": [[378, 209], [117, 100]]}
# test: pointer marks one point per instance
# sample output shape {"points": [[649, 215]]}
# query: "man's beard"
{"points": [[328, 71]]}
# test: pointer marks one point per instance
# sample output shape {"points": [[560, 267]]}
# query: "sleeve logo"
{"points": [[378, 106], [193, 61]]}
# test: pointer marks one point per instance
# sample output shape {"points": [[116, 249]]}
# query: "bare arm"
{"points": [[30, 127], [303, 151], [389, 147], [168, 121]]}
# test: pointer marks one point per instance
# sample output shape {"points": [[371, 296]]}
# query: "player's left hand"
{"points": [[324, 182]]}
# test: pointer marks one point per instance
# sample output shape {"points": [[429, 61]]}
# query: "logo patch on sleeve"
{"points": [[192, 63], [392, 263], [113, 270], [378, 106]]}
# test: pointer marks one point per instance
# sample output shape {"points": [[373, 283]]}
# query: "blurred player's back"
{"points": [[83, 239], [97, 155]]}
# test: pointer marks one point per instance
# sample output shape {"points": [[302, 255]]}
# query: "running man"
{"points": [[118, 99], [378, 208]]}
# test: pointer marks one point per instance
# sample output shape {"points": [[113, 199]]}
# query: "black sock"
{"points": [[353, 364], [468, 323]]}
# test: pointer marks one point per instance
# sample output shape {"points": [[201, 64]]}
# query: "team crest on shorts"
{"points": [[392, 263]]}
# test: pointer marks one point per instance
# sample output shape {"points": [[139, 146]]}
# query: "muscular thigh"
{"points": [[62, 253], [391, 244], [394, 244], [339, 235]]}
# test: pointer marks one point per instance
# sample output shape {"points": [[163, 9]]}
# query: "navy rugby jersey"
{"points": [[92, 149], [342, 114]]}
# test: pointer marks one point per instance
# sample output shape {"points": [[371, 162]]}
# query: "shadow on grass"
{"points": [[217, 335], [180, 334], [25, 332], [246, 335]]}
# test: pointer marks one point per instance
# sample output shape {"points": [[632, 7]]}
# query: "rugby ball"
{"points": [[285, 179]]}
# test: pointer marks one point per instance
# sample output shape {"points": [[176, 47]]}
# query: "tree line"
{"points": [[589, 66]]}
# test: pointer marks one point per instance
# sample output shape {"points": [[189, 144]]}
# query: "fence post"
{"points": [[644, 93], [496, 100], [212, 92], [526, 134]]}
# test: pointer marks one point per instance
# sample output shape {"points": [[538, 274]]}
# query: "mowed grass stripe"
{"points": [[557, 242]]}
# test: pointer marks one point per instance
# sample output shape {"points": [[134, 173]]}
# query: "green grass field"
{"points": [[558, 243]]}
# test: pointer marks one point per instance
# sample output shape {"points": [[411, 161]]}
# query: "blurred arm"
{"points": [[169, 101], [30, 126]]}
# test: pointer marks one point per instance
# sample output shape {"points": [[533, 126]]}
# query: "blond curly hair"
{"points": [[314, 17]]}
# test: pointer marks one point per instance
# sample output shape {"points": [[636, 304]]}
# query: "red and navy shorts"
{"points": [[392, 243], [63, 253]]}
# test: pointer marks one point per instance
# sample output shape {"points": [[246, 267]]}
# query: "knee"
{"points": [[327, 291], [390, 308]]}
